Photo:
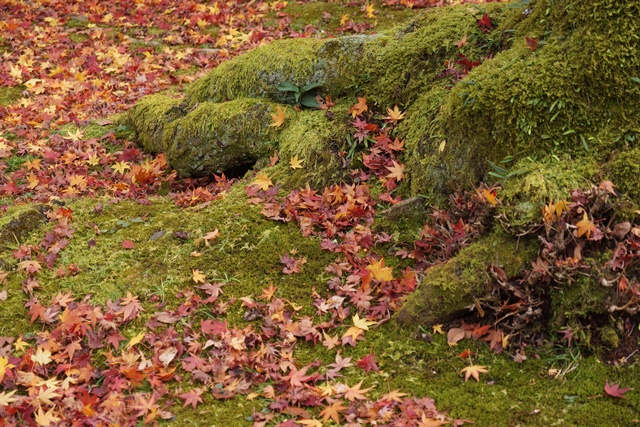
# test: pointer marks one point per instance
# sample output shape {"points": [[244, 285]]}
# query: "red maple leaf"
{"points": [[614, 390], [485, 23]]}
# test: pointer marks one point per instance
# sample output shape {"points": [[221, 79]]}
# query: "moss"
{"points": [[258, 72], [19, 222], [574, 301], [623, 171], [609, 337], [216, 137], [448, 289], [8, 95], [530, 184], [523, 102], [149, 117]]}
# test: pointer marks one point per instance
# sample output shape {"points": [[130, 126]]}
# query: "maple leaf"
{"points": [[4, 365], [437, 329], [130, 307], [532, 42], [614, 390], [369, 10], [359, 108], [278, 118], [368, 363], [362, 324], [6, 399], [567, 335], [120, 167], [397, 171], [330, 342], [485, 23], [333, 412], [262, 181], [393, 396], [192, 397], [355, 393], [394, 115], [267, 294], [462, 42], [431, 422], [45, 419], [198, 276], [75, 136], [43, 357], [128, 244], [309, 422], [380, 272], [295, 162], [585, 226], [473, 371]]}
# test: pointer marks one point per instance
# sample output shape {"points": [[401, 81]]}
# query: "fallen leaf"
{"points": [[262, 181], [295, 162], [614, 390], [454, 335], [278, 118], [473, 371]]}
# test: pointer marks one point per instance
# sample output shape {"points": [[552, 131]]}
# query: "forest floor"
{"points": [[129, 296]]}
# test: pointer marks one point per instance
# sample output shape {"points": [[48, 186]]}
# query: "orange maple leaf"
{"points": [[359, 108], [355, 392], [394, 115]]}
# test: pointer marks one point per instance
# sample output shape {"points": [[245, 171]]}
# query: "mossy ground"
{"points": [[246, 258]]}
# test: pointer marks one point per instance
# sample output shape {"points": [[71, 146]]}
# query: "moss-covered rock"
{"points": [[19, 223], [448, 289]]}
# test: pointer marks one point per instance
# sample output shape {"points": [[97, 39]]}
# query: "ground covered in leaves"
{"points": [[129, 296]]}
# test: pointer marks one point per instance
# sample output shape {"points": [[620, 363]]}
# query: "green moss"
{"points": [[8, 95], [531, 184], [525, 102], [574, 301], [623, 171], [258, 72], [216, 137], [148, 119], [448, 289]]}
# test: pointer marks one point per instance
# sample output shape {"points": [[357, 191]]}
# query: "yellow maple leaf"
{"points": [[135, 340], [397, 171], [20, 345], [362, 323], [198, 276], [278, 118], [370, 9], [120, 167], [4, 365], [75, 136], [262, 181], [473, 371], [295, 162], [394, 115], [45, 419], [585, 226], [42, 356], [380, 272], [344, 19], [437, 329], [6, 399]]}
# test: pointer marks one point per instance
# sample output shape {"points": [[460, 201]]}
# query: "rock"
{"points": [[447, 290]]}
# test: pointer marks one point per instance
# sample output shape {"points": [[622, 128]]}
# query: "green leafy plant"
{"points": [[304, 96]]}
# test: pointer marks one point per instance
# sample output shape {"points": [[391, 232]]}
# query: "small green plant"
{"points": [[305, 96]]}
